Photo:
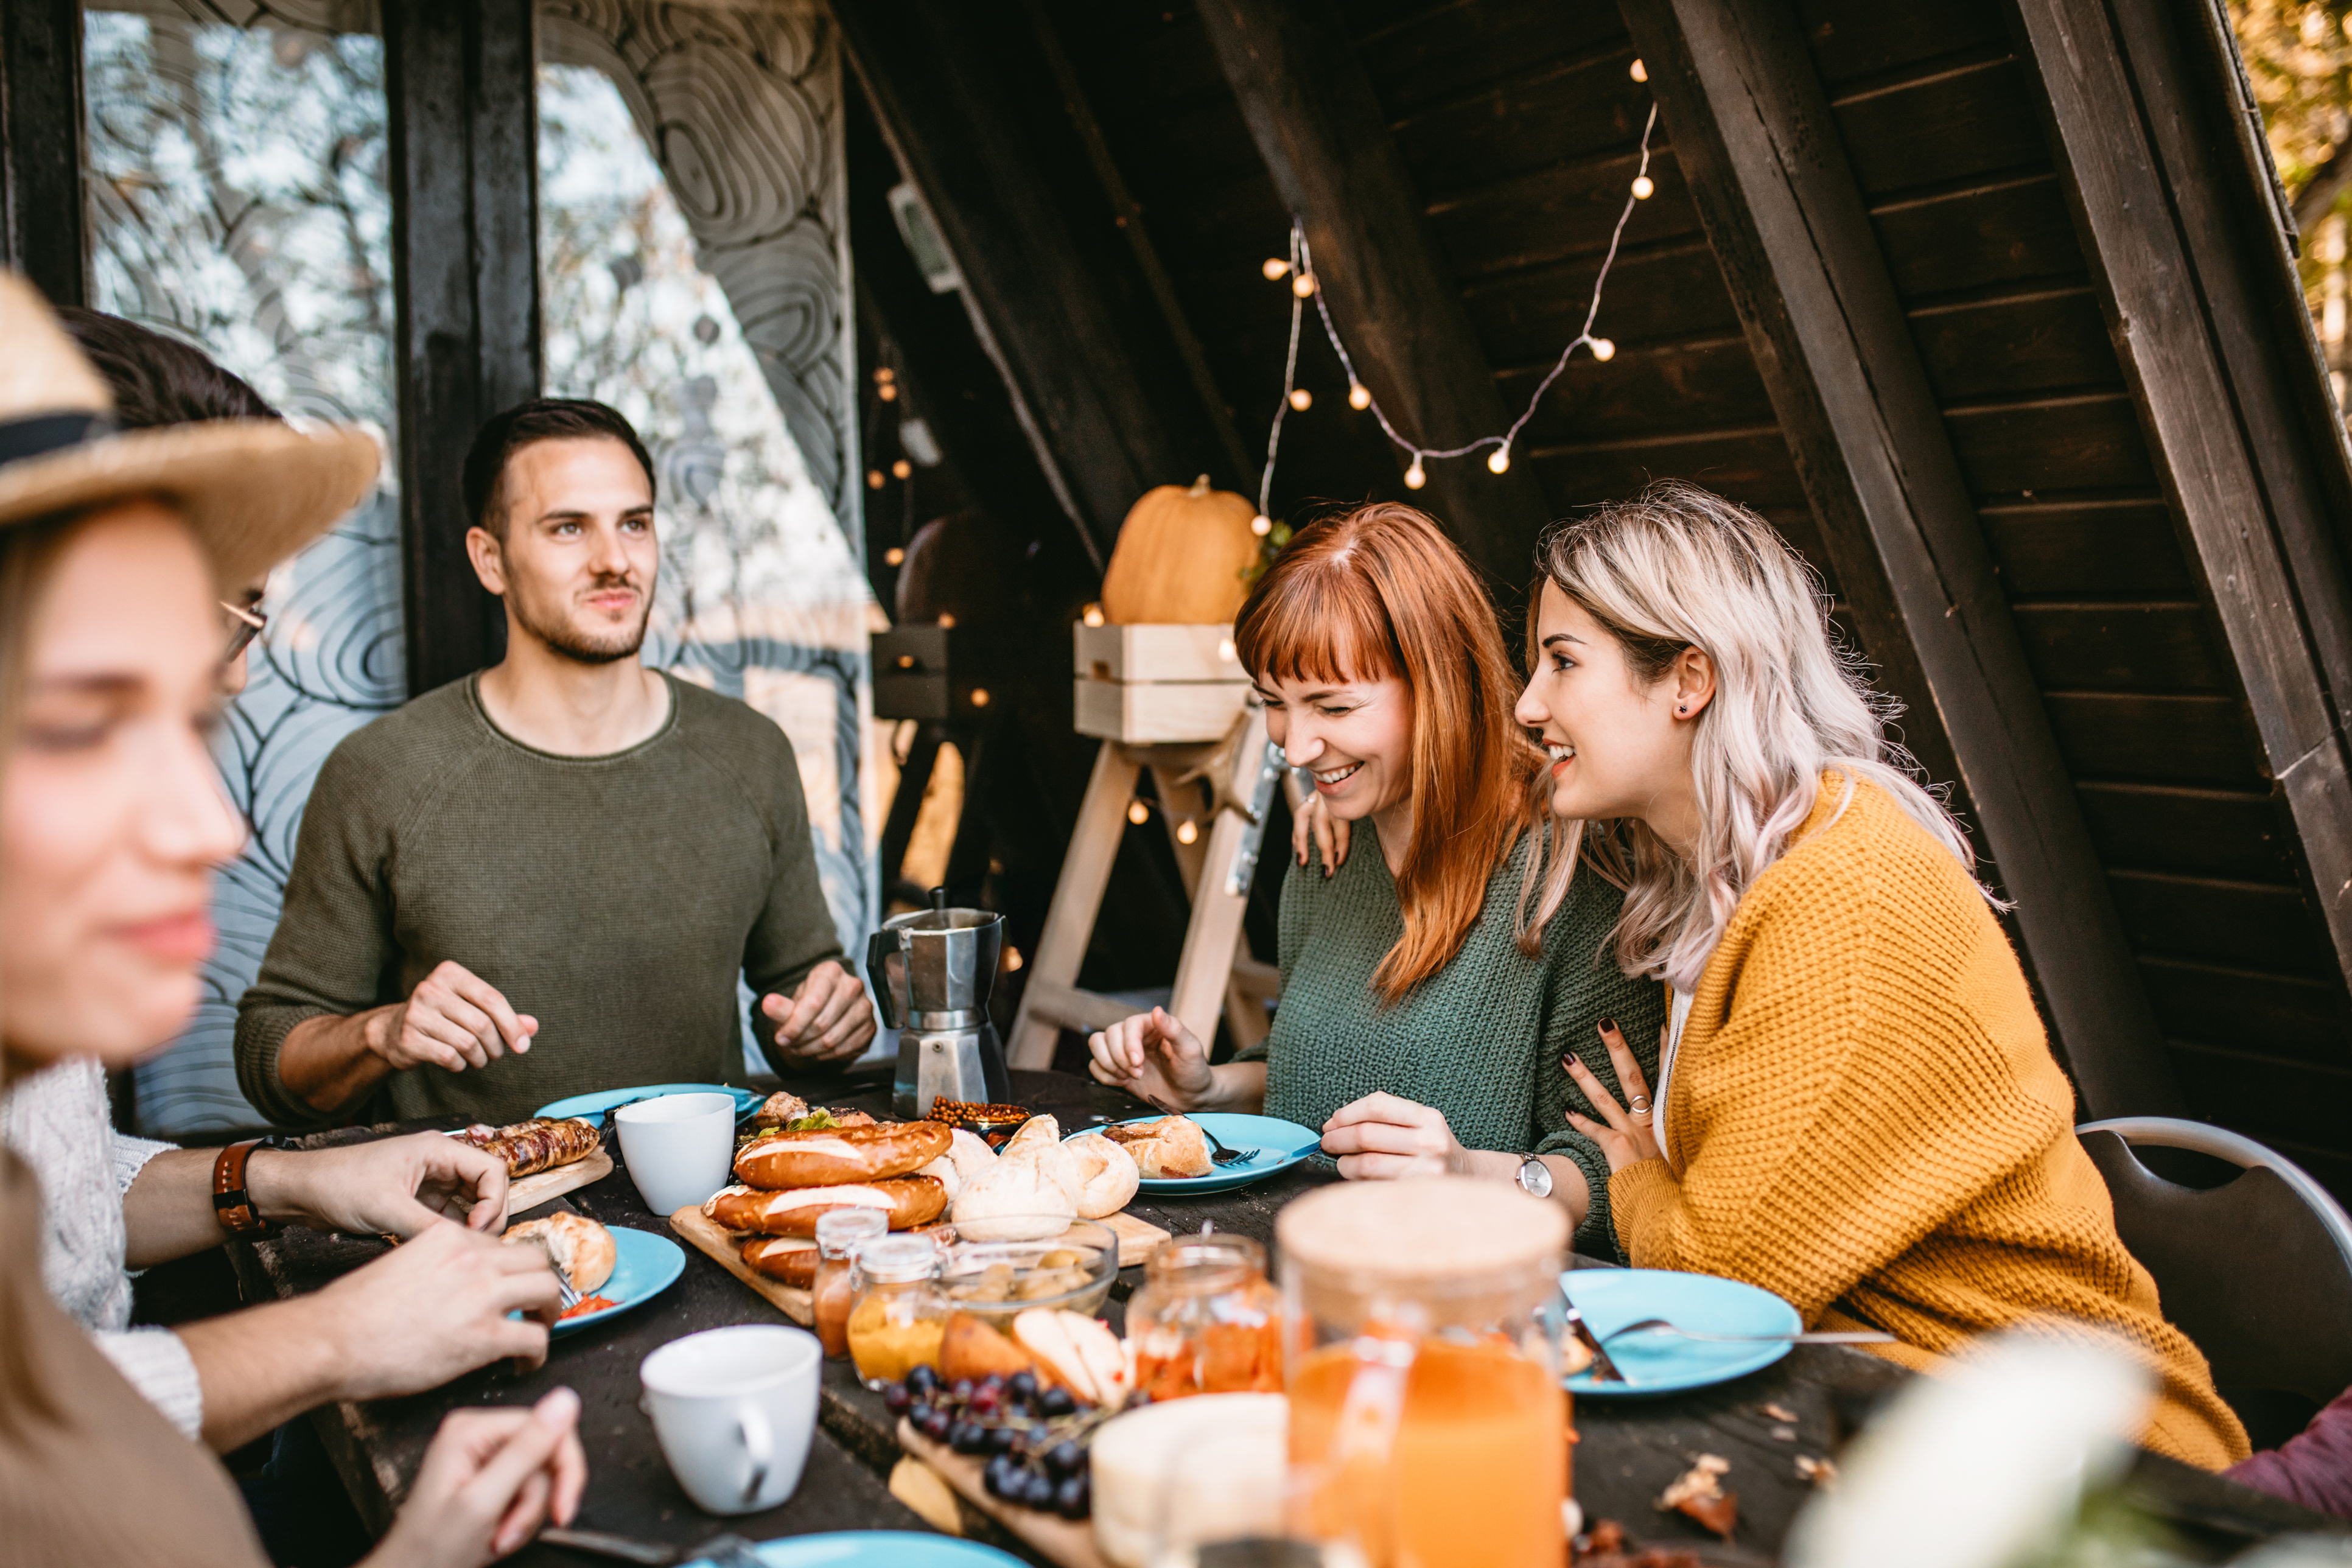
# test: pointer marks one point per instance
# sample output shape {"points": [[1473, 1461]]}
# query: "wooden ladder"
{"points": [[1216, 972]]}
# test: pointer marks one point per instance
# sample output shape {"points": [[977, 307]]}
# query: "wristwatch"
{"points": [[232, 1204], [1535, 1176]]}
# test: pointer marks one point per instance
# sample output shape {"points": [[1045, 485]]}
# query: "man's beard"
{"points": [[562, 637]]}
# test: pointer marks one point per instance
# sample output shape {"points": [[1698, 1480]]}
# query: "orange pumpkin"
{"points": [[1181, 558]]}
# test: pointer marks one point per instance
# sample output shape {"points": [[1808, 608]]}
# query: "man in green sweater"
{"points": [[543, 879]]}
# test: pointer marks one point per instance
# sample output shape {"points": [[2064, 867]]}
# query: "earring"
{"points": [[1681, 711]]}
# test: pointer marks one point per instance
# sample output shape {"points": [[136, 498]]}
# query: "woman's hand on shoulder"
{"points": [[1155, 1057], [1313, 824], [1383, 1136], [1626, 1134]]}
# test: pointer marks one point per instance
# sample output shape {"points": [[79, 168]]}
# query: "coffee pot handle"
{"points": [[878, 949]]}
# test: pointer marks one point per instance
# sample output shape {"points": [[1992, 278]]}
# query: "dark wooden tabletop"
{"points": [[1628, 1449]]}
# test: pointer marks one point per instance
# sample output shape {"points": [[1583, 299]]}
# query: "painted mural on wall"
{"points": [[236, 155]]}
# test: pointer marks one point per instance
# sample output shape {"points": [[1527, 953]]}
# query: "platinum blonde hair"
{"points": [[1679, 567]]}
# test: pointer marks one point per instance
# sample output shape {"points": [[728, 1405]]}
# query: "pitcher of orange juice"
{"points": [[1427, 1422]]}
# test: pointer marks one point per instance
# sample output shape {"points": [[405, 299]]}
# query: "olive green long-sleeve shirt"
{"points": [[614, 899]]}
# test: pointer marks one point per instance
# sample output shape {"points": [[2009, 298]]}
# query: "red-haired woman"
{"points": [[1415, 1031]]}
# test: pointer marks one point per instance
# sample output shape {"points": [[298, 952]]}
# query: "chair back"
{"points": [[2257, 1271]]}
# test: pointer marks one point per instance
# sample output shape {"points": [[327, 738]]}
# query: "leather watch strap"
{"points": [[232, 1203]]}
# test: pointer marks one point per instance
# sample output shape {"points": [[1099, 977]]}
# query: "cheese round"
{"points": [[1217, 1463]]}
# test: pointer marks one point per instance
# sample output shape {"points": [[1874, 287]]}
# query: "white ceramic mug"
{"points": [[680, 1147], [734, 1409]]}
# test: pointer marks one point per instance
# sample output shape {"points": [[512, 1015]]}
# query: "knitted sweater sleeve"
{"points": [[1849, 1101]]}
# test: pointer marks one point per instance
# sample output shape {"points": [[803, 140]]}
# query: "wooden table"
{"points": [[1629, 1450]]}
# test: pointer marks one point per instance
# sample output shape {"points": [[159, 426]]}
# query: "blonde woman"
{"points": [[1856, 1107]]}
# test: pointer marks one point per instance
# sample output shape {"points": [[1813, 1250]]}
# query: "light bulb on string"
{"points": [[1261, 525], [1643, 187], [884, 375], [875, 480], [1604, 350], [1640, 71], [1498, 462], [1138, 812], [1187, 831], [1092, 615], [1416, 475], [1276, 269], [1360, 396], [901, 469], [887, 392], [894, 556], [1301, 399], [1303, 285]]}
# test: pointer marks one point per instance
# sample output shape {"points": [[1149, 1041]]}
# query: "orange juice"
{"points": [[1478, 1465]]}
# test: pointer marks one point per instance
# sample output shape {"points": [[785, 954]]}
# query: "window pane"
{"points": [[237, 200], [694, 275]]}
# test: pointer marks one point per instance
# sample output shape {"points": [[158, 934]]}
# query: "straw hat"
{"points": [[254, 490]]}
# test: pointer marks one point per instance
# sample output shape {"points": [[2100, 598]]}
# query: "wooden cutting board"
{"points": [[532, 1191], [1137, 1238], [1070, 1542]]}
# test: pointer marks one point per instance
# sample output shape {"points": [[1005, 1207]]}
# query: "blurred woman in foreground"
{"points": [[1856, 1107], [1418, 1031], [114, 551]]}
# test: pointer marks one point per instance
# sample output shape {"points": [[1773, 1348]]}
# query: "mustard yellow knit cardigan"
{"points": [[1866, 1120]]}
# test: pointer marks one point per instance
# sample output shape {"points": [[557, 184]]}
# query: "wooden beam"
{"points": [[461, 78], [40, 130], [962, 97], [2243, 430], [1757, 143], [1326, 140]]}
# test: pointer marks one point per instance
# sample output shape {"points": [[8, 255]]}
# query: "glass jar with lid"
{"points": [[897, 1314], [1206, 1319], [1421, 1357], [839, 1233]]}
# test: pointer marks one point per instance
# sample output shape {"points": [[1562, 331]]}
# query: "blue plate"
{"points": [[644, 1266], [592, 1107], [1656, 1363], [874, 1548], [1280, 1144]]}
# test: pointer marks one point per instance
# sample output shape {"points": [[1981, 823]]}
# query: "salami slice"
{"points": [[536, 1145]]}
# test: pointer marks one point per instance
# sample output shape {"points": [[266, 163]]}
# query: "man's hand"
{"points": [[1382, 1138], [828, 1019], [1155, 1057], [435, 1308], [489, 1480], [400, 1187], [454, 1019]]}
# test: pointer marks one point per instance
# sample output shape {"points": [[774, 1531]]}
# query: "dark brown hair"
{"points": [[528, 424], [158, 380]]}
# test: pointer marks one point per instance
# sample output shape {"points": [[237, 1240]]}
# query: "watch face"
{"points": [[1536, 1177]]}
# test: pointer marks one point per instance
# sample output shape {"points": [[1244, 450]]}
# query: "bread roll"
{"points": [[1107, 1175], [971, 1154], [943, 1171], [908, 1201], [781, 1258], [829, 1156], [1016, 1199], [1037, 1132], [580, 1247], [1170, 1146]]}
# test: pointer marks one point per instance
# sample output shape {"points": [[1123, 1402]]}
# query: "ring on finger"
{"points": [[1638, 1105]]}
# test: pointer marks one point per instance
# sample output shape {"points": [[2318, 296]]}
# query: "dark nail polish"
{"points": [[1607, 1026]]}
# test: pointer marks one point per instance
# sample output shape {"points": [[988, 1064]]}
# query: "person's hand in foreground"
{"points": [[393, 1186], [454, 1019], [1626, 1134], [826, 1019], [491, 1478], [1383, 1138], [1155, 1057], [435, 1308]]}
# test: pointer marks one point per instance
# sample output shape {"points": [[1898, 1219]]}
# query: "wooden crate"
{"points": [[1152, 685]]}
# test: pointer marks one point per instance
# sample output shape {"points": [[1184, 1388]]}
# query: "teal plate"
{"points": [[1656, 1363], [644, 1266], [1280, 1144], [594, 1107], [873, 1549]]}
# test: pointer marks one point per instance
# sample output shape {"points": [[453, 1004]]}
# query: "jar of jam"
{"points": [[1206, 1320], [839, 1233], [897, 1314]]}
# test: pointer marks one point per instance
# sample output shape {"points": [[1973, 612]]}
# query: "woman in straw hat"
{"points": [[113, 552]]}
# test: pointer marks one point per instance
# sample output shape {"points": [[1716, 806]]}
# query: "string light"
{"points": [[1138, 812], [1276, 269], [1186, 832], [947, 621], [884, 375], [894, 556], [875, 480], [1303, 286], [901, 468], [887, 392], [1012, 961], [1261, 525], [1640, 71], [1092, 615], [980, 696]]}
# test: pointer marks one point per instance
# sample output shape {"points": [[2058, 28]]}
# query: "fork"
{"points": [[566, 1292], [1219, 1154], [1825, 1337], [728, 1550]]}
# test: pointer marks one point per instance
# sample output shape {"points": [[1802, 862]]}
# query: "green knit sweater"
{"points": [[1480, 1040], [616, 898]]}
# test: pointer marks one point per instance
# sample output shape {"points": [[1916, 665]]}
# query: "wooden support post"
{"points": [[1078, 899], [40, 130], [1221, 897], [1325, 140], [460, 81], [2196, 296], [1754, 136]]}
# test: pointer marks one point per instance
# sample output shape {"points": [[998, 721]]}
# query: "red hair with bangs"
{"points": [[1377, 591]]}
